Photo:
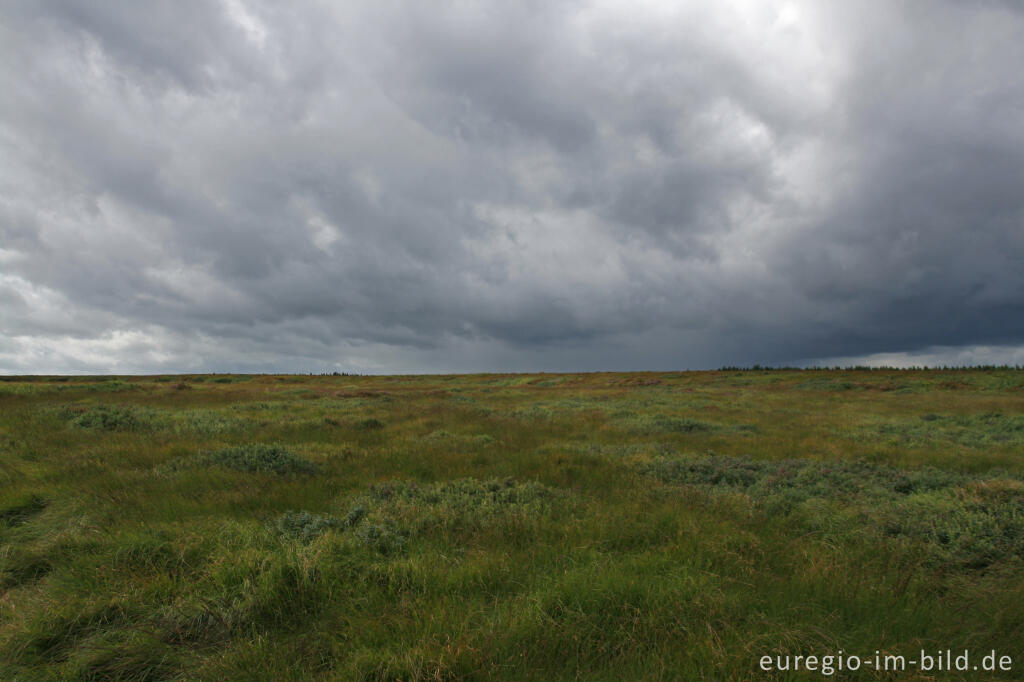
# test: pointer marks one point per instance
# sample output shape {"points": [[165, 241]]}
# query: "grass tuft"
{"points": [[23, 510]]}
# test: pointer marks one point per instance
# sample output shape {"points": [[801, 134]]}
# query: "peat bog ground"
{"points": [[592, 526]]}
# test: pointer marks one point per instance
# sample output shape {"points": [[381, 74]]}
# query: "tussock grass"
{"points": [[21, 510], [601, 526]]}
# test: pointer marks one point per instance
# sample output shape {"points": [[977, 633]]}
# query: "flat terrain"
{"points": [[601, 526]]}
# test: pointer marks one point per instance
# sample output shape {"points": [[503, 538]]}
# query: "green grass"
{"points": [[600, 526]]}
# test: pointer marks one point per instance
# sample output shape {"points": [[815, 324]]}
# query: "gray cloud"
{"points": [[252, 186]]}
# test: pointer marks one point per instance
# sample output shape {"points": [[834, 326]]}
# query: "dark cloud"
{"points": [[250, 185]]}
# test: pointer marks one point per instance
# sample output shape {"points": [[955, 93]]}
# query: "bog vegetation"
{"points": [[599, 526]]}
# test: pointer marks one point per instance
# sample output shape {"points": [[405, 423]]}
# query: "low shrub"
{"points": [[255, 457], [205, 422], [355, 515], [663, 423], [970, 430], [109, 418], [969, 521], [370, 425], [304, 527], [805, 478], [679, 424], [384, 535], [467, 494], [387, 537]]}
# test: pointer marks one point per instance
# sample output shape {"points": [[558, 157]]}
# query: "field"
{"points": [[605, 526]]}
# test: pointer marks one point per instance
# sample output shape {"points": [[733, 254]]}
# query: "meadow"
{"points": [[606, 526]]}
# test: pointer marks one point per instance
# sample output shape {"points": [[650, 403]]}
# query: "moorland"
{"points": [[495, 526]]}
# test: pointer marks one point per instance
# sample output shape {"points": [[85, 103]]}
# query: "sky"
{"points": [[454, 186]]}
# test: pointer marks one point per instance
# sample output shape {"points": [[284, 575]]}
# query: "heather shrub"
{"points": [[109, 418], [968, 521], [968, 430], [254, 457], [370, 424], [302, 526], [386, 537]]}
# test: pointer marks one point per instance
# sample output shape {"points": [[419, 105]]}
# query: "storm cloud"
{"points": [[249, 185]]}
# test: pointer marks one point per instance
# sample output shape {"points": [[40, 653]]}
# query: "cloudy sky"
{"points": [[250, 185]]}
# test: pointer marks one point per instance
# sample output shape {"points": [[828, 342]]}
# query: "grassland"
{"points": [[597, 526]]}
